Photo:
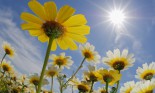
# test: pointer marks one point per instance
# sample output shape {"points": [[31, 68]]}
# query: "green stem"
{"points": [[91, 89], [117, 84], [3, 58], [36, 88], [106, 87], [75, 71], [51, 84], [45, 63]]}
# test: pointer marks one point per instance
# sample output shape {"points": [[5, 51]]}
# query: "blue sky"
{"points": [[138, 37]]}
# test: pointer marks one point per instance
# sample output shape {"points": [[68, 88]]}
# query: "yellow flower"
{"points": [[61, 60], [82, 86], [144, 87], [88, 51], [127, 88], [9, 50], [92, 75], [111, 76], [6, 67], [101, 90], [52, 71], [147, 72], [47, 22], [34, 79], [119, 61]]}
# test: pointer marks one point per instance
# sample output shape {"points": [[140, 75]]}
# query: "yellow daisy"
{"points": [[101, 90], [144, 87], [82, 86], [92, 75], [61, 60], [88, 51], [52, 71], [62, 25], [6, 67], [127, 88], [111, 76], [119, 61], [147, 72], [34, 80], [9, 50]]}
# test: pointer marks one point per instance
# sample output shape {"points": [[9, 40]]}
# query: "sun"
{"points": [[117, 17]]}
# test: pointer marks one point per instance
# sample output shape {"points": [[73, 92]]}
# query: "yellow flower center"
{"points": [[52, 28], [87, 54], [93, 77], [59, 62], [148, 76], [34, 81], [51, 73], [7, 51], [5, 68], [149, 91], [82, 88], [118, 65], [103, 91], [107, 78]]}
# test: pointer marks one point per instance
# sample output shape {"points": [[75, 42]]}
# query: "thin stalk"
{"points": [[45, 63], [3, 58], [75, 71], [117, 84], [52, 84], [91, 89], [106, 87], [36, 88]]}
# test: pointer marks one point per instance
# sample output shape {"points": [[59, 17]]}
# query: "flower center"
{"points": [[148, 76], [82, 88], [87, 55], [107, 78], [118, 65], [5, 68], [52, 28], [52, 73], [93, 77], [35, 82], [59, 62], [103, 91], [149, 91], [7, 51]]}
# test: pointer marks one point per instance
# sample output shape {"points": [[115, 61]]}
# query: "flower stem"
{"points": [[75, 71], [45, 63], [106, 87], [91, 89], [3, 58], [117, 84], [51, 84], [36, 88]]}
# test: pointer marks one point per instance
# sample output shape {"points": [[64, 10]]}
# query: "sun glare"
{"points": [[116, 17]]}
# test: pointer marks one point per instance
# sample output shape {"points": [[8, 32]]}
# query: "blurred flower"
{"points": [[52, 71], [34, 79], [47, 22], [127, 88], [82, 86], [6, 67], [111, 76], [9, 50], [119, 61], [92, 75], [61, 60], [144, 87], [147, 72], [88, 51], [101, 90]]}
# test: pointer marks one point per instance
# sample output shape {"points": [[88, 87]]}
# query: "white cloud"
{"points": [[28, 58]]}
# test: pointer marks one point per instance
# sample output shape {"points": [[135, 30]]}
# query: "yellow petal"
{"points": [[81, 30], [51, 10], [38, 9], [75, 20], [77, 38], [30, 18], [64, 13], [35, 32], [54, 45], [43, 38], [71, 44], [62, 44], [30, 26]]}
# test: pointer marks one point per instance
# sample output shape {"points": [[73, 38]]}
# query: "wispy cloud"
{"points": [[28, 58]]}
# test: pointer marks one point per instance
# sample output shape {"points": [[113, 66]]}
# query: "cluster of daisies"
{"points": [[61, 28]]}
